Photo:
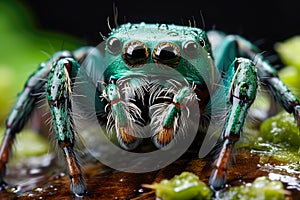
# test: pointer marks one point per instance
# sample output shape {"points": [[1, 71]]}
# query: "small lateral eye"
{"points": [[135, 53], [202, 42], [191, 49], [166, 53], [114, 45]]}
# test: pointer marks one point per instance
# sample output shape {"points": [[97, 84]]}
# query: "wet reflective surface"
{"points": [[48, 180]]}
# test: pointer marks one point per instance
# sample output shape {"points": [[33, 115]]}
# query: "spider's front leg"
{"points": [[22, 109], [241, 95], [59, 92]]}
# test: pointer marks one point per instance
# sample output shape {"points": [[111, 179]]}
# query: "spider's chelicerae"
{"points": [[151, 75]]}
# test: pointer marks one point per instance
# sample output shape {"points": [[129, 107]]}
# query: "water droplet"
{"points": [[173, 33], [141, 190], [133, 27], [34, 171], [15, 189], [39, 189], [163, 27]]}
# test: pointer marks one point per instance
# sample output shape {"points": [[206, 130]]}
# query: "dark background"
{"points": [[263, 22]]}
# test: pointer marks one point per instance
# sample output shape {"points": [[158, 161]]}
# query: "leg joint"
{"points": [[244, 84]]}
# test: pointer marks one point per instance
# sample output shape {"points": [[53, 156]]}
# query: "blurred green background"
{"points": [[22, 48]]}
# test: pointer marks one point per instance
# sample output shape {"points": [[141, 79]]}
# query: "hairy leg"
{"points": [[23, 107], [59, 92], [241, 95]]}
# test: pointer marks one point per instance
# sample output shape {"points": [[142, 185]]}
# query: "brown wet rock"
{"points": [[105, 183]]}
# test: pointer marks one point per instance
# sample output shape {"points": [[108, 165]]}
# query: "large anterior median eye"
{"points": [[166, 53], [135, 53]]}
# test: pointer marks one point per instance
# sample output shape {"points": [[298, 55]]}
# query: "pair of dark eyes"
{"points": [[136, 52]]}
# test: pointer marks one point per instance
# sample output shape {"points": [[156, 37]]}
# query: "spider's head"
{"points": [[185, 49]]}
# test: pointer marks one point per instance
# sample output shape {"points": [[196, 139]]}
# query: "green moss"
{"points": [[278, 142], [188, 186], [281, 129], [262, 188], [184, 186]]}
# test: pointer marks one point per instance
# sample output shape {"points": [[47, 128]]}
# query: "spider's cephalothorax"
{"points": [[156, 75], [155, 67]]}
